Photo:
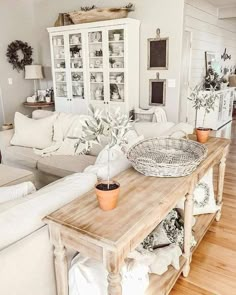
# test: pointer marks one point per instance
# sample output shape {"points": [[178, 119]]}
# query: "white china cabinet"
{"points": [[96, 63], [223, 110]]}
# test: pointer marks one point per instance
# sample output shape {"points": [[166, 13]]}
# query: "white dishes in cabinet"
{"points": [[97, 86]]}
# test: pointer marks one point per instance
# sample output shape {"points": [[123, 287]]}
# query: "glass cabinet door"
{"points": [[96, 65], [117, 65], [76, 65], [58, 43]]}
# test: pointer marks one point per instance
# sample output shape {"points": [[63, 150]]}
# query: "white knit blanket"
{"points": [[67, 135]]}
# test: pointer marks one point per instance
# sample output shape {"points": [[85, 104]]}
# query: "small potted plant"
{"points": [[206, 101], [114, 126]]}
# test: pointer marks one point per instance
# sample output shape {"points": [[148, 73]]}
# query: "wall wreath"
{"points": [[13, 57]]}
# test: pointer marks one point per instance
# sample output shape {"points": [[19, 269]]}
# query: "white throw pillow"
{"points": [[33, 133], [88, 276], [204, 199], [118, 163], [13, 192]]}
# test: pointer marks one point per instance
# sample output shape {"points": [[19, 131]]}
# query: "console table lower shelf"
{"points": [[163, 284]]}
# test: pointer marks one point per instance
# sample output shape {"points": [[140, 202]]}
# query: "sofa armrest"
{"points": [[5, 138], [26, 217]]}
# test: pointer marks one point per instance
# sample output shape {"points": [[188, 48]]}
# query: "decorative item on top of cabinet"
{"points": [[157, 91], [158, 52], [63, 20], [93, 14]]}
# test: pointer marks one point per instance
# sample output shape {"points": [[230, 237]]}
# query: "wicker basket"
{"points": [[98, 14], [166, 156]]}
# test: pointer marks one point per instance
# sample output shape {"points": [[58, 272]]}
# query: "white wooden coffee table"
{"points": [[10, 175]]}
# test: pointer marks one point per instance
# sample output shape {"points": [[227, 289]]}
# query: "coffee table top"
{"points": [[11, 175]]}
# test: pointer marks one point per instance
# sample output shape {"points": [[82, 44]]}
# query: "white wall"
{"points": [[209, 34], [164, 14], [16, 23]]}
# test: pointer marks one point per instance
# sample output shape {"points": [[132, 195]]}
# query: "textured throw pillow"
{"points": [[33, 133], [204, 199], [169, 231]]}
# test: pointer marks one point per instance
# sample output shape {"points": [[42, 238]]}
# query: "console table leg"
{"points": [[221, 176], [60, 261], [114, 284], [113, 264], [188, 217]]}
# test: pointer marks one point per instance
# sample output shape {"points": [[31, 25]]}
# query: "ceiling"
{"points": [[223, 3]]}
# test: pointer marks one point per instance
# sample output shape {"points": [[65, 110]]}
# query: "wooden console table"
{"points": [[143, 203]]}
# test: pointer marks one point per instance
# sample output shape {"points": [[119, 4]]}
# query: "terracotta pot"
{"points": [[107, 199], [202, 134]]}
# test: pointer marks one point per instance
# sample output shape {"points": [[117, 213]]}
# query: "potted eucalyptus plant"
{"points": [[114, 126], [203, 100]]}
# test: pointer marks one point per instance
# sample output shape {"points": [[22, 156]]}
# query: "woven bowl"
{"points": [[166, 156]]}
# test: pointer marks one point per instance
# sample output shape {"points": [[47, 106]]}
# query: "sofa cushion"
{"points": [[33, 133], [20, 157], [64, 165]]}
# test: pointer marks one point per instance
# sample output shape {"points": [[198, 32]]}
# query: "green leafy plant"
{"points": [[203, 100], [113, 125]]}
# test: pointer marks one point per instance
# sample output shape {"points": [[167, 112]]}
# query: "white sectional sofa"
{"points": [[49, 169], [26, 254]]}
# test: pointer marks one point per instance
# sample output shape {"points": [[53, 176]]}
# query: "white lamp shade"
{"points": [[33, 72]]}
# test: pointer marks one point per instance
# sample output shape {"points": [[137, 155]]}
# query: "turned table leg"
{"points": [[188, 218], [220, 185], [114, 284], [113, 264], [60, 261]]}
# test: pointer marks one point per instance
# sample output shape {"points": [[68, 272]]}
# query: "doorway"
{"points": [[185, 114]]}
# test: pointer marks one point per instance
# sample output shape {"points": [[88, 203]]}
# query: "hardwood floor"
{"points": [[213, 268]]}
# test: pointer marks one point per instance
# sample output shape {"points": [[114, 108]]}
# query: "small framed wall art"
{"points": [[158, 52], [157, 91]]}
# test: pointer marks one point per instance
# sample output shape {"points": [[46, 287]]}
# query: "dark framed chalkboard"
{"points": [[158, 53], [157, 91]]}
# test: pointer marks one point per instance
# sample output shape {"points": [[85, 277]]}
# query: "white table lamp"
{"points": [[34, 72]]}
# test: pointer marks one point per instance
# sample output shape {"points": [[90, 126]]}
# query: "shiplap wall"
{"points": [[209, 34]]}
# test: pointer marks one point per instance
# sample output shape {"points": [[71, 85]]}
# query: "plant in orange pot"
{"points": [[114, 126], [203, 100]]}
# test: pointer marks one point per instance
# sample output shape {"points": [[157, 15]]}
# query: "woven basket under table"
{"points": [[166, 156]]}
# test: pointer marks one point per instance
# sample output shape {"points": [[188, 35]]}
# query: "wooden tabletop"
{"points": [[38, 104], [134, 209]]}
